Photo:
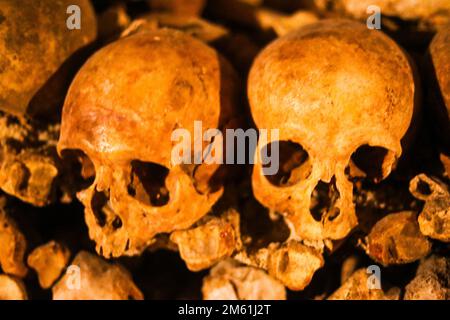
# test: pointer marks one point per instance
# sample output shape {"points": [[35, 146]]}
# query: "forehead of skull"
{"points": [[331, 79], [131, 95]]}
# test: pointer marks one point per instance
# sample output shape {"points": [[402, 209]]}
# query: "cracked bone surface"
{"points": [[89, 277], [432, 280], [356, 287], [12, 244], [49, 260], [396, 239], [434, 220], [210, 242], [309, 85], [12, 288], [230, 280], [33, 53], [154, 81]]}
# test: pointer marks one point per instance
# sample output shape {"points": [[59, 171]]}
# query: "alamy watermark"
{"points": [[374, 20], [73, 281], [374, 280], [73, 22], [237, 149]]}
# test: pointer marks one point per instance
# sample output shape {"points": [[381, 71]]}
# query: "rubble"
{"points": [[432, 281], [12, 288], [434, 220], [396, 239], [230, 280], [91, 278], [356, 288], [12, 244], [49, 261]]}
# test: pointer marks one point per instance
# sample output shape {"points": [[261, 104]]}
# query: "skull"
{"points": [[34, 53], [118, 117], [342, 97]]}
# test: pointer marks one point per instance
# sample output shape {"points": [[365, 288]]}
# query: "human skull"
{"points": [[120, 113], [342, 97], [34, 47]]}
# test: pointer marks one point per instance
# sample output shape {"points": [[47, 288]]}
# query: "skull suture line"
{"points": [[343, 98], [120, 112]]}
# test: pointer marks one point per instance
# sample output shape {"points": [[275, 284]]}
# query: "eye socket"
{"points": [[369, 162], [294, 163], [80, 166], [148, 183]]}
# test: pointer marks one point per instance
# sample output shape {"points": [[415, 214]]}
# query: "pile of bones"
{"points": [[92, 205]]}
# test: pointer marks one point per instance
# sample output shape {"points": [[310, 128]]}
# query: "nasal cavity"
{"points": [[100, 207], [293, 160], [148, 183], [103, 212], [81, 167], [323, 201]]}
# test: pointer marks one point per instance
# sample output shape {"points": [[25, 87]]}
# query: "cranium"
{"points": [[34, 48], [342, 97], [120, 112]]}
